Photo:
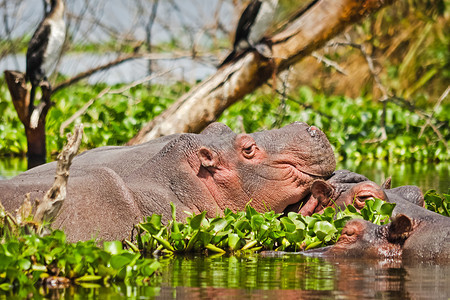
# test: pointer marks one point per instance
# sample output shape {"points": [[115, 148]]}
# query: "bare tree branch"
{"points": [[329, 63], [429, 119]]}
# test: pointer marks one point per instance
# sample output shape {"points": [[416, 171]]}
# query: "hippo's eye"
{"points": [[364, 197], [249, 151]]}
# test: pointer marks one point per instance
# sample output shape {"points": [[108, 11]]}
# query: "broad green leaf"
{"points": [[387, 208], [214, 248], [5, 261], [197, 221], [194, 238], [296, 236], [149, 270], [250, 244], [233, 241], [323, 229], [177, 236], [313, 245], [24, 264], [256, 222], [164, 243], [250, 212], [114, 247], [120, 260], [87, 278], [218, 224], [288, 224]]}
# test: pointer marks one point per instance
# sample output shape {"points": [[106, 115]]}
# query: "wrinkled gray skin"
{"points": [[112, 188], [414, 234]]}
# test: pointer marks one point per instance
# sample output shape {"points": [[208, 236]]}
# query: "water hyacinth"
{"points": [[253, 231]]}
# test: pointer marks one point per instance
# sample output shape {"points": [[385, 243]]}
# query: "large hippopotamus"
{"points": [[112, 188], [415, 233]]}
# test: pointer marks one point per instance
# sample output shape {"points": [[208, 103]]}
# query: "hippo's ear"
{"points": [[400, 228], [387, 184], [208, 158], [322, 191]]}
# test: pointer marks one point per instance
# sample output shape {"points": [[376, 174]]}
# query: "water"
{"points": [[290, 277], [424, 175]]}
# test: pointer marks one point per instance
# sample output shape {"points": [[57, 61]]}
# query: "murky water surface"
{"points": [[292, 276]]}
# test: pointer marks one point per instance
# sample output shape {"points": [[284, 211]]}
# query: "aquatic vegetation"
{"points": [[31, 256], [252, 231], [28, 257], [438, 203], [352, 125]]}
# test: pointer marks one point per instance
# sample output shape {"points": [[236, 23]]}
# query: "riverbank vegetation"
{"points": [[375, 89], [33, 257], [354, 126]]}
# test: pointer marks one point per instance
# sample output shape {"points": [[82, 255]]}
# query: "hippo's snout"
{"points": [[318, 153], [306, 147]]}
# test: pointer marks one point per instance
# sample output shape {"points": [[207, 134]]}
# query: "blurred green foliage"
{"points": [[352, 125], [437, 202], [408, 41]]}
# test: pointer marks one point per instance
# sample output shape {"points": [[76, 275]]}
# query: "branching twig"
{"points": [[81, 111], [384, 91], [428, 121], [329, 63], [119, 60], [386, 96], [88, 73], [148, 29]]}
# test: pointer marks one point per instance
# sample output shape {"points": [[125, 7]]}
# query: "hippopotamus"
{"points": [[345, 187], [414, 233], [112, 188]]}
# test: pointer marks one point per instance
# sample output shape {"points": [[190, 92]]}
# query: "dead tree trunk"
{"points": [[308, 31], [33, 118]]}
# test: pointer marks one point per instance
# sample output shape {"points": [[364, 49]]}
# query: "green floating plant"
{"points": [[438, 203], [250, 230], [27, 258]]}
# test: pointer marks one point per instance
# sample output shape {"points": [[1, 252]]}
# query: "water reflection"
{"points": [[424, 175], [288, 277], [12, 166]]}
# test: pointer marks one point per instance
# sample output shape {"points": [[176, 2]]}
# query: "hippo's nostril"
{"points": [[312, 131]]}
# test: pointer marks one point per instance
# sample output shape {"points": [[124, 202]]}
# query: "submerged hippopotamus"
{"points": [[415, 232], [112, 188], [345, 187]]}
